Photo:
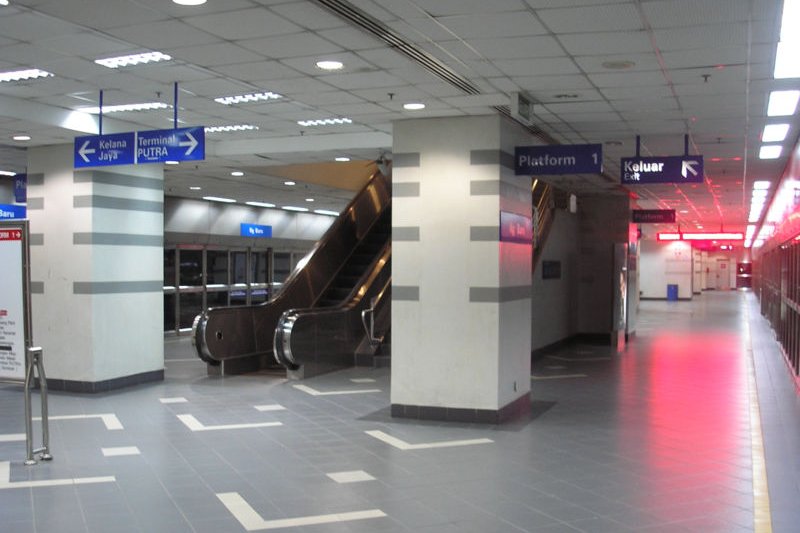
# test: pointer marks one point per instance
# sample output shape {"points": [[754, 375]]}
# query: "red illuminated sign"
{"points": [[720, 236]]}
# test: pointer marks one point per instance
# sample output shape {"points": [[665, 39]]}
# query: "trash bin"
{"points": [[672, 293]]}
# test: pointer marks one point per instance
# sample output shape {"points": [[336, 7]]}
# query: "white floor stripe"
{"points": [[252, 521], [12, 437], [403, 445], [354, 476], [195, 425], [314, 392], [560, 376], [5, 480], [178, 399], [121, 450], [362, 380], [109, 419], [270, 407]]}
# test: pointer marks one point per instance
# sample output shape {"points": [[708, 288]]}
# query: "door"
{"points": [[723, 277]]}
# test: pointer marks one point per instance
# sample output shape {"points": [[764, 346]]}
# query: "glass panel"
{"points": [[169, 312], [259, 260], [282, 266], [191, 306], [239, 296], [217, 299], [169, 267], [216, 267], [239, 267], [191, 267], [258, 295]]}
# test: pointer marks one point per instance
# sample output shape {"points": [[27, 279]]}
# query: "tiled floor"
{"points": [[657, 438]]}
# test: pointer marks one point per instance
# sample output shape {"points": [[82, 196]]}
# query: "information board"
{"points": [[12, 300]]}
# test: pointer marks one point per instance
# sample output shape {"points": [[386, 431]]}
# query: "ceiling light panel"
{"points": [[131, 60], [27, 74], [782, 103], [325, 122], [247, 98], [226, 129], [146, 106], [774, 133]]}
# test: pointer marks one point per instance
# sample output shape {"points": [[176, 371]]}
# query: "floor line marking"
{"points": [[110, 420], [403, 445], [362, 380], [120, 450], [270, 407], [195, 425], [178, 399], [252, 521], [560, 376], [12, 437], [315, 392], [6, 483], [579, 359]]}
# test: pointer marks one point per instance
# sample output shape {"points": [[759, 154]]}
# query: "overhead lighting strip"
{"points": [[28, 74], [325, 122], [247, 98], [234, 127], [134, 59], [701, 236], [146, 106]]}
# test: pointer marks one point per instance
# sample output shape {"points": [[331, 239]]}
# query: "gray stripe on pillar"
{"points": [[484, 233], [116, 287], [118, 239], [405, 233], [35, 204], [36, 239], [36, 179], [484, 187], [37, 287], [405, 293], [499, 294], [405, 190], [408, 160], [110, 202], [491, 157], [113, 178]]}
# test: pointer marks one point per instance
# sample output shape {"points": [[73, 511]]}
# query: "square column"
{"points": [[96, 271], [461, 298]]}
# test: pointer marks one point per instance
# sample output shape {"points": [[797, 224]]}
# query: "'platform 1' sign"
{"points": [[558, 159], [669, 169]]}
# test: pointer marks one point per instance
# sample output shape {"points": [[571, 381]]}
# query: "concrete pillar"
{"points": [[461, 298], [96, 271]]}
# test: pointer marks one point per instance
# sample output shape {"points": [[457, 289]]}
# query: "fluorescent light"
{"points": [[782, 103], [293, 208], [260, 204], [21, 137], [326, 212], [414, 106], [330, 65], [3, 2], [325, 122], [246, 98], [786, 64], [775, 133], [791, 14], [770, 151], [342, 159], [309, 199], [135, 59], [235, 127], [237, 173], [27, 74], [218, 199], [701, 236], [195, 188], [172, 162], [190, 2], [760, 193], [7, 173], [289, 183], [668, 236], [146, 106], [761, 184]]}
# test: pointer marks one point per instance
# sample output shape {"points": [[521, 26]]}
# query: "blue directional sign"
{"points": [[12, 212], [21, 188], [105, 150], [668, 169], [180, 144], [558, 159], [255, 230]]}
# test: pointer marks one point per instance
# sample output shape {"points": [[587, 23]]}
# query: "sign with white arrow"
{"points": [[669, 169], [105, 150], [180, 144]]}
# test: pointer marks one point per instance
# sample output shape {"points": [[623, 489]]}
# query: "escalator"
{"points": [[340, 276]]}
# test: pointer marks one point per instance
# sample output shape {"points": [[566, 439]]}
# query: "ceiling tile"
{"points": [[243, 24], [27, 26], [293, 45], [518, 47], [543, 66], [682, 13], [164, 35], [260, 70], [490, 25], [605, 18], [617, 42], [214, 54], [308, 15]]}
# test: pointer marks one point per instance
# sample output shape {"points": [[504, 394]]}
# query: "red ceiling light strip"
{"points": [[720, 236]]}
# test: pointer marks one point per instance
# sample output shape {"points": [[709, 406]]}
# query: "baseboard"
{"points": [[507, 413], [92, 387]]}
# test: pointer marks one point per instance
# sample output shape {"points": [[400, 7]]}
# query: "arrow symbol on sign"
{"points": [[688, 166], [191, 143], [85, 150]]}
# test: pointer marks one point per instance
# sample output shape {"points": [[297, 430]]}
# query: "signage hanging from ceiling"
{"points": [[136, 148], [668, 169], [255, 230], [558, 159], [653, 216]]}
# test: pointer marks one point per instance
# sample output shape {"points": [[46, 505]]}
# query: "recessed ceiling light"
{"points": [[774, 133], [342, 159], [3, 2], [237, 173], [234, 127], [146, 106], [135, 59], [195, 188], [618, 65], [260, 204], [190, 2], [293, 208], [7, 173], [21, 137], [218, 199], [172, 162], [325, 122], [326, 212], [27, 74], [246, 98], [762, 184], [414, 106], [289, 183], [770, 151], [309, 199], [782, 103], [330, 65], [684, 211]]}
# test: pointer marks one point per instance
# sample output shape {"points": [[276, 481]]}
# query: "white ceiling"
{"points": [[702, 67]]}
